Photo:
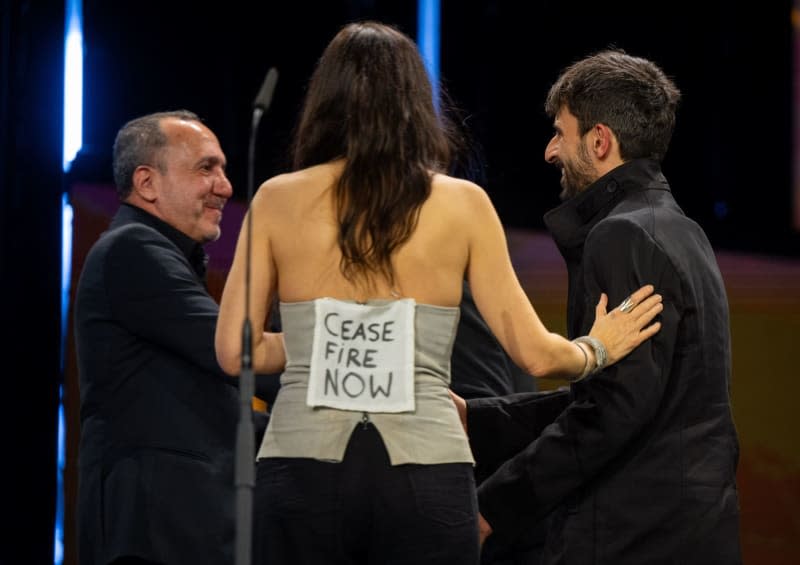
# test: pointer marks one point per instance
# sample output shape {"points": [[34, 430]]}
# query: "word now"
{"points": [[354, 385]]}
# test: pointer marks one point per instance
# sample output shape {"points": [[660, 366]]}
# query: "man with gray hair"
{"points": [[158, 415]]}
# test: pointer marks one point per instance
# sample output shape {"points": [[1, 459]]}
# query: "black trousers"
{"points": [[364, 511]]}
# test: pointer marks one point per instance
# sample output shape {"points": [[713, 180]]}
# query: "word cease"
{"points": [[363, 356]]}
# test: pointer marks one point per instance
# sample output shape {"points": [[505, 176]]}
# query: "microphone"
{"points": [[245, 438], [264, 98]]}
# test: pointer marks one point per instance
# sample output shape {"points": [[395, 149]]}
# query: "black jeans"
{"points": [[364, 510]]}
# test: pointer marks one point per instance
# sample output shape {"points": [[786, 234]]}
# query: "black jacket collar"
{"points": [[192, 249], [570, 222]]}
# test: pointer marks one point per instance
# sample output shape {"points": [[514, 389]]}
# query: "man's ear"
{"points": [[144, 183], [603, 141]]}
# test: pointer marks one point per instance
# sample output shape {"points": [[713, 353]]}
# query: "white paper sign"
{"points": [[362, 356]]}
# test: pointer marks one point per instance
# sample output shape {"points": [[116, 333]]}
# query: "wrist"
{"points": [[588, 361], [598, 350]]}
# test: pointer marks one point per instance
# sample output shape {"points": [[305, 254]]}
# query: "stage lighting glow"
{"points": [[72, 142], [428, 40], [73, 82]]}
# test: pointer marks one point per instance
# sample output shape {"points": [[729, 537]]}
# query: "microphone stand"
{"points": [[245, 434]]}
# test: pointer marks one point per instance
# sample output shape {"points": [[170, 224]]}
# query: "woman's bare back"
{"points": [[298, 215]]}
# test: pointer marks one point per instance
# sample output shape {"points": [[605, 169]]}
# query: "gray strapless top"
{"points": [[431, 434]]}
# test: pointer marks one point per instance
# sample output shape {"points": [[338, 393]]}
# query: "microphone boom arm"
{"points": [[245, 433]]}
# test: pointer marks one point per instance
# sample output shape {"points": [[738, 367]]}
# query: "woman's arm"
{"points": [[509, 313], [268, 354]]}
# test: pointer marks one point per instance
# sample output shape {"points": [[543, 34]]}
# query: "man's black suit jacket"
{"points": [[641, 466], [158, 416]]}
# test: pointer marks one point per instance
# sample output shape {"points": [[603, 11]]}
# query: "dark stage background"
{"points": [[729, 164]]}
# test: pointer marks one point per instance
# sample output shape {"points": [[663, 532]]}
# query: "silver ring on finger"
{"points": [[627, 305]]}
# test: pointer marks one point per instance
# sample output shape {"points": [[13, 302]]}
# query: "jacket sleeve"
{"points": [[500, 427], [609, 410], [156, 295]]}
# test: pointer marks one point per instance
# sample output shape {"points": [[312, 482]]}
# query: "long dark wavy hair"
{"points": [[370, 102]]}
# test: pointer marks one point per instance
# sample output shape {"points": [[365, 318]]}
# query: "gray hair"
{"points": [[138, 143]]}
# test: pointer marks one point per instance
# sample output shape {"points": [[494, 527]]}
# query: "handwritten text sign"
{"points": [[362, 357]]}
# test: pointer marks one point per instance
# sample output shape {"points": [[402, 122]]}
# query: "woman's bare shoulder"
{"points": [[453, 183], [318, 175], [458, 192], [296, 187]]}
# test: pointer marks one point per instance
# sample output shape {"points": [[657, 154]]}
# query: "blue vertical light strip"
{"points": [[73, 140], [66, 272], [428, 40], [73, 81]]}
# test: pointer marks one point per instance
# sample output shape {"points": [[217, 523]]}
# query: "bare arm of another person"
{"points": [[509, 313], [268, 354]]}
